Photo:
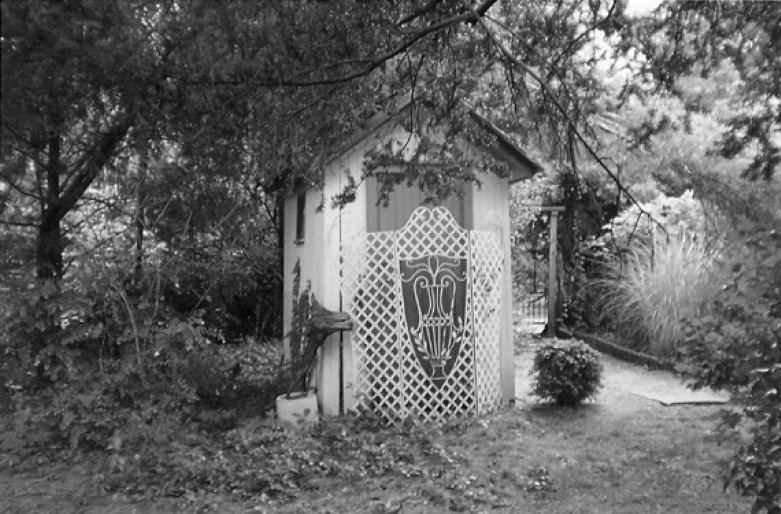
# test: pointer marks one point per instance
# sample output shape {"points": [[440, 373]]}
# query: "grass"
{"points": [[617, 455], [648, 294]]}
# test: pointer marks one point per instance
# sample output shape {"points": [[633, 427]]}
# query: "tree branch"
{"points": [[418, 13], [90, 164], [372, 63], [19, 190], [18, 223], [557, 103], [585, 33]]}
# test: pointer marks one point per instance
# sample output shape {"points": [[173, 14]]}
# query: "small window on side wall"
{"points": [[300, 223]]}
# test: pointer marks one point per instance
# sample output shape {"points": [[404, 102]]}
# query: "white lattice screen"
{"points": [[389, 377]]}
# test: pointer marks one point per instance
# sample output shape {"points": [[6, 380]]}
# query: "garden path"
{"points": [[622, 382]]}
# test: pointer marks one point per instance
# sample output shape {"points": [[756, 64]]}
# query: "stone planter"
{"points": [[298, 411]]}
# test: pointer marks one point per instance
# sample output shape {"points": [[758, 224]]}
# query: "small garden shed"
{"points": [[428, 287]]}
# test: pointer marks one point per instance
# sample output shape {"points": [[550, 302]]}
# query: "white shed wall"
{"points": [[489, 203]]}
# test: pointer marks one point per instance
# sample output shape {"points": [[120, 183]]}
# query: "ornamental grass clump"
{"points": [[647, 295], [567, 373]]}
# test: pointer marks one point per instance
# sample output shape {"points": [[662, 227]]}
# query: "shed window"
{"points": [[300, 224]]}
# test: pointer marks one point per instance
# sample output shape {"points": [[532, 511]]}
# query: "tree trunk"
{"points": [[49, 232], [143, 164], [49, 247], [55, 203]]}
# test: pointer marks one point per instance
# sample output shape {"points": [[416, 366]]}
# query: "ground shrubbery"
{"points": [[718, 308], [738, 347], [648, 291], [108, 359], [646, 278], [567, 373], [256, 458]]}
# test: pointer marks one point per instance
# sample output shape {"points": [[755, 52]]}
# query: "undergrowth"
{"points": [[738, 347], [259, 459]]}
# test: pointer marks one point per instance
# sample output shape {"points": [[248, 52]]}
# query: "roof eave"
{"points": [[522, 167]]}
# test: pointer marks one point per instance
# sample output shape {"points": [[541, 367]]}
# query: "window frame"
{"points": [[300, 234]]}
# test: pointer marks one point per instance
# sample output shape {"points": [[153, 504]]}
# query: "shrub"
{"points": [[103, 359], [567, 373], [738, 347], [646, 294]]}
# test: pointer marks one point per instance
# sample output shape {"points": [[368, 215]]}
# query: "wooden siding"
{"points": [[490, 211], [403, 200], [484, 206], [340, 223]]}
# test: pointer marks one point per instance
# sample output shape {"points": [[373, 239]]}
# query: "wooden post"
{"points": [[552, 268]]}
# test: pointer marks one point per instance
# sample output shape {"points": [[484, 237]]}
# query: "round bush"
{"points": [[566, 373]]}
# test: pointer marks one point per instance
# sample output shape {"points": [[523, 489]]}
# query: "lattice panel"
{"points": [[435, 232], [371, 297], [487, 301], [432, 232], [390, 379]]}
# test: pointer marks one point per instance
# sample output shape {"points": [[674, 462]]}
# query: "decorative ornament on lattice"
{"points": [[425, 301]]}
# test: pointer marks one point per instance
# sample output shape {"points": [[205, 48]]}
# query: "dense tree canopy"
{"points": [[195, 113], [244, 92], [257, 92], [698, 38]]}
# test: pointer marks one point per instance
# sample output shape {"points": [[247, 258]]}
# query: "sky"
{"points": [[641, 7]]}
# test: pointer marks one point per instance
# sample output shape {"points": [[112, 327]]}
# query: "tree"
{"points": [[698, 38], [218, 83], [72, 88]]}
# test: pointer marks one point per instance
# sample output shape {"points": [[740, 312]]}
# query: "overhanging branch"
{"points": [[572, 126], [371, 64], [90, 164]]}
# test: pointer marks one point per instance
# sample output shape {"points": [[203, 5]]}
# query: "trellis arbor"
{"points": [[428, 287]]}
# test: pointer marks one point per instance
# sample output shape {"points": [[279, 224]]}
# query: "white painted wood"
{"points": [[327, 261], [339, 222], [490, 203], [485, 207], [353, 223], [390, 379]]}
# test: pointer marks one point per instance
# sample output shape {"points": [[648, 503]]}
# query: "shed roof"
{"points": [[522, 166], [503, 148]]}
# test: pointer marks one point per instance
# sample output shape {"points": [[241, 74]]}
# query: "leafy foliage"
{"points": [[258, 459], [738, 347], [665, 217], [566, 372], [697, 38], [104, 359], [172, 122], [529, 242], [302, 349]]}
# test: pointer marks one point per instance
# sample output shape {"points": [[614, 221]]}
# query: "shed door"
{"points": [[403, 201]]}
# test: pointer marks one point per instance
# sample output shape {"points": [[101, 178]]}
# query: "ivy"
{"points": [[259, 460]]}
